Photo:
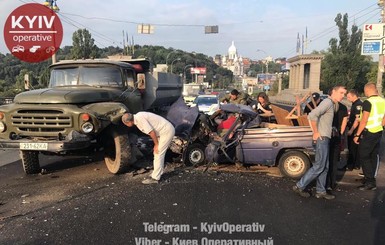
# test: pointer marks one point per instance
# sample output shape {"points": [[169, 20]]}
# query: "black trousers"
{"points": [[369, 154], [353, 160], [334, 158]]}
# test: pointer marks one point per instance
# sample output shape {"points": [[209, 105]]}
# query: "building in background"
{"points": [[232, 61]]}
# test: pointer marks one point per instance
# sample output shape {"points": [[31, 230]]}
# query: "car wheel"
{"points": [[294, 164], [117, 151], [195, 155], [30, 161]]}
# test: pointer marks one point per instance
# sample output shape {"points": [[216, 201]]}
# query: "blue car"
{"points": [[246, 141]]}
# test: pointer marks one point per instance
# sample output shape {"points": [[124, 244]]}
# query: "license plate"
{"points": [[33, 146]]}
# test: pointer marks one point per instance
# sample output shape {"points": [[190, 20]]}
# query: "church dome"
{"points": [[232, 49]]}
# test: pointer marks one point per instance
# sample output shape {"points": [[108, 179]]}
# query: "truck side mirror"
{"points": [[141, 81]]}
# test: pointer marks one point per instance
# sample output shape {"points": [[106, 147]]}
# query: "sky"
{"points": [[259, 28]]}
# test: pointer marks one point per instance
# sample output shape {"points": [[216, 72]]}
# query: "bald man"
{"points": [[369, 135], [161, 132]]}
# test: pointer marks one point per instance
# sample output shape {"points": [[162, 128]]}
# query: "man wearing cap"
{"points": [[161, 132], [369, 135], [309, 106]]}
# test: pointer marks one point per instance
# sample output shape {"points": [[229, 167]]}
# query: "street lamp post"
{"points": [[168, 55], [173, 62], [52, 5], [184, 72], [195, 61], [267, 62]]}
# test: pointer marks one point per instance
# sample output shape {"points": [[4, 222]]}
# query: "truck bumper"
{"points": [[46, 145]]}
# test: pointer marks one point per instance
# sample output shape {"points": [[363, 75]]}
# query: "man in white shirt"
{"points": [[161, 132]]}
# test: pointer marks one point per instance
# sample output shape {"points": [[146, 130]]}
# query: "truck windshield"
{"points": [[92, 76]]}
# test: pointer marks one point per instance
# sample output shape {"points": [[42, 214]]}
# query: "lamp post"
{"points": [[267, 62], [184, 72], [52, 5], [195, 61], [168, 55], [173, 62]]}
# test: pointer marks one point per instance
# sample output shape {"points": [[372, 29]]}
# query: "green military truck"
{"points": [[81, 110]]}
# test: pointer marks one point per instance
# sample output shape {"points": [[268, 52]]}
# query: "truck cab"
{"points": [[82, 107]]}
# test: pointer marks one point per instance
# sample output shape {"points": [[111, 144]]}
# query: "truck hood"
{"points": [[67, 95]]}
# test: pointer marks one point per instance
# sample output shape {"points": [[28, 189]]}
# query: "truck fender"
{"points": [[109, 111]]}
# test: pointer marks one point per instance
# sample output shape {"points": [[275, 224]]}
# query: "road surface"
{"points": [[76, 201]]}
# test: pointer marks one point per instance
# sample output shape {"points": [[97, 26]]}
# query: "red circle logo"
{"points": [[33, 32]]}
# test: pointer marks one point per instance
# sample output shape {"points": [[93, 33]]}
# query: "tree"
{"points": [[83, 45], [343, 63]]}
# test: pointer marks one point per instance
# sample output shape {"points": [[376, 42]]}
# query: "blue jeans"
{"points": [[320, 167]]}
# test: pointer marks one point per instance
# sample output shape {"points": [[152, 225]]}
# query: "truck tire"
{"points": [[117, 151], [195, 155], [294, 164], [30, 161]]}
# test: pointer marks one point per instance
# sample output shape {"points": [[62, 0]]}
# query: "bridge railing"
{"points": [[6, 100]]}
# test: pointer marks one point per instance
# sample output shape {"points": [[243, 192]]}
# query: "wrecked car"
{"points": [[247, 141], [192, 133]]}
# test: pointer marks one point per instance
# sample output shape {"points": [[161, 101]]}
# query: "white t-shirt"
{"points": [[147, 121]]}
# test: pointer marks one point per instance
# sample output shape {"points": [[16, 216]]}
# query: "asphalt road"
{"points": [[8, 156], [77, 201]]}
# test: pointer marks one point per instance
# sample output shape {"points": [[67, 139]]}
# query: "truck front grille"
{"points": [[48, 121]]}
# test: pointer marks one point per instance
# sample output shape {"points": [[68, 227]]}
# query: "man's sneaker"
{"points": [[150, 181], [324, 195], [300, 192], [367, 187]]}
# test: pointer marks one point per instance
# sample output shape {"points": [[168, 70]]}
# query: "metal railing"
{"points": [[6, 100]]}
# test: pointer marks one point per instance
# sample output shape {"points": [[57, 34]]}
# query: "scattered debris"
{"points": [[142, 171]]}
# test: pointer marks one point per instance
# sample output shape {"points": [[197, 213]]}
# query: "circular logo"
{"points": [[33, 32]]}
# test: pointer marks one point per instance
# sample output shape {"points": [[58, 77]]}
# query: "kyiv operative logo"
{"points": [[33, 32]]}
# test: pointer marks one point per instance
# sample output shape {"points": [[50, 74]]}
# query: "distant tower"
{"points": [[232, 51]]}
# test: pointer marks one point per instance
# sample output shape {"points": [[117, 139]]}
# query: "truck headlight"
{"points": [[2, 127], [87, 127]]}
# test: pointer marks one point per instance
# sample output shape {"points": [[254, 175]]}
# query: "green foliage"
{"points": [[343, 63], [12, 70], [83, 45]]}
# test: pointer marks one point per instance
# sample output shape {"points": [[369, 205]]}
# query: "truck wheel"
{"points": [[294, 164], [30, 160], [117, 151], [195, 155]]}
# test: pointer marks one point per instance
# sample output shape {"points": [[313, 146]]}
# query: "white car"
{"points": [[205, 102]]}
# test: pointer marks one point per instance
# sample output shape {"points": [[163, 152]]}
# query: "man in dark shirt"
{"points": [[340, 120], [353, 122]]}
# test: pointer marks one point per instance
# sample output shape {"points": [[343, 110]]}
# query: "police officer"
{"points": [[369, 135], [353, 160]]}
